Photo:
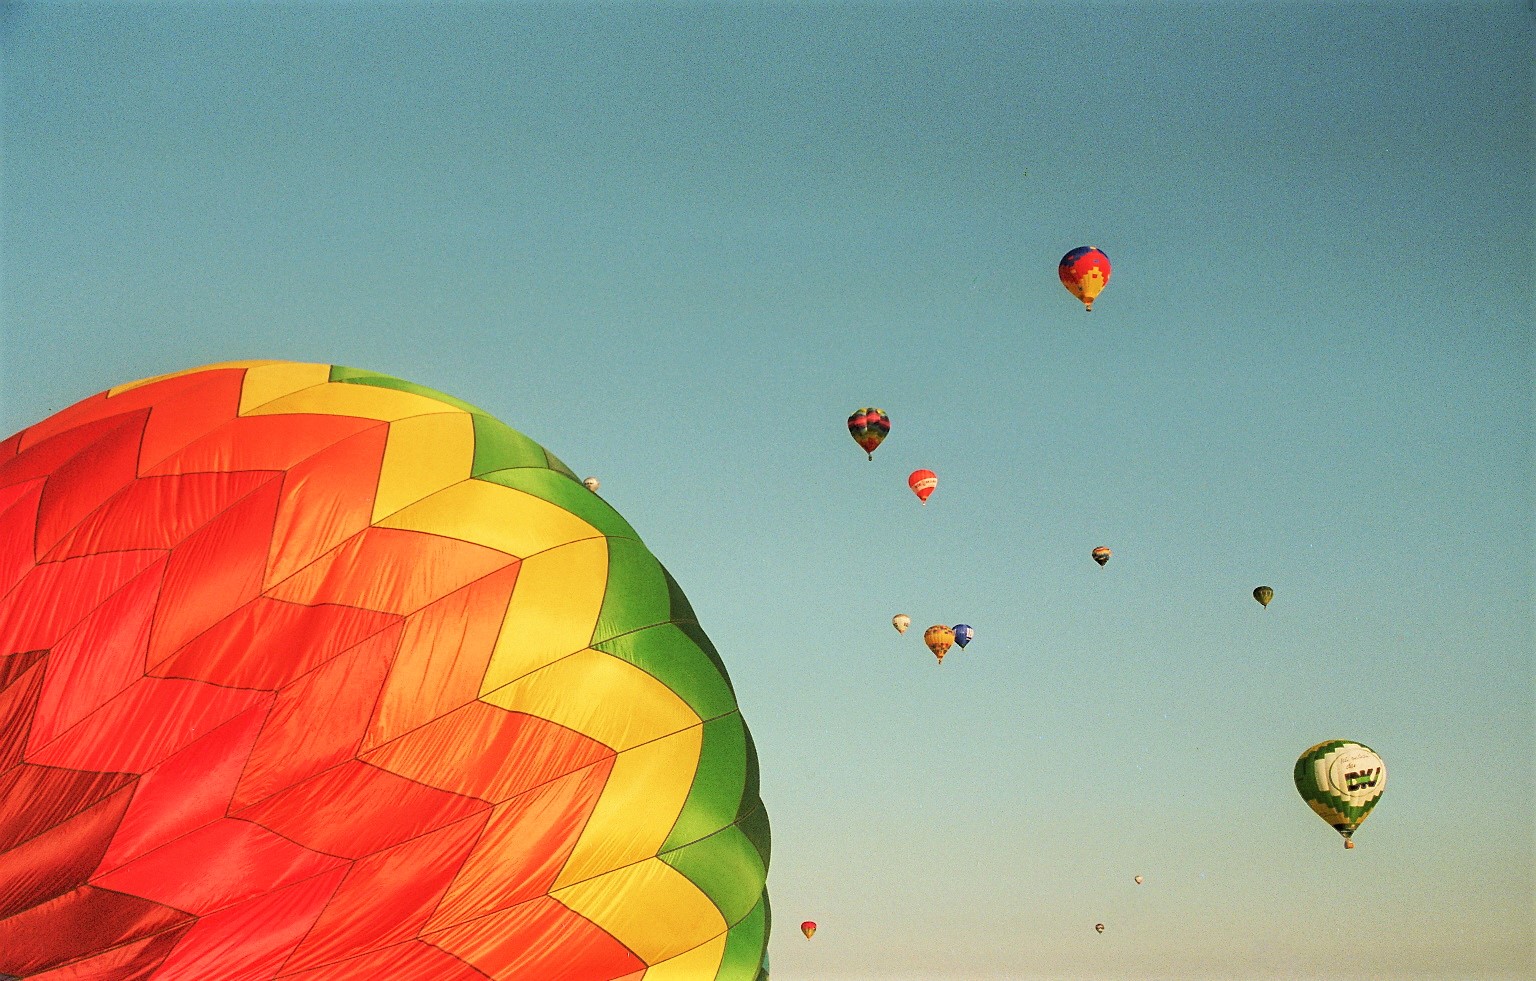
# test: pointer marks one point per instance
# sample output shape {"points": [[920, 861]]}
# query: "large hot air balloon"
{"points": [[922, 483], [939, 638], [901, 622], [869, 427], [1101, 555], [1341, 781], [1263, 594], [808, 928], [1084, 271], [963, 634], [311, 673]]}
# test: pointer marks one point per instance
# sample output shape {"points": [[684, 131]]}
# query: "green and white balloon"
{"points": [[1342, 781]]}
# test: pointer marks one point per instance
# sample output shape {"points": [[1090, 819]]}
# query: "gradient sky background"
{"points": [[678, 244]]}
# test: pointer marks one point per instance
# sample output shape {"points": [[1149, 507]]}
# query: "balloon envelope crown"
{"points": [[278, 626]]}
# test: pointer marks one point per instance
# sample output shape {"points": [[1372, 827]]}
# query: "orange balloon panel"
{"points": [[308, 672]]}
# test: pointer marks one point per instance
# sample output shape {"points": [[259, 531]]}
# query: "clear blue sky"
{"points": [[679, 243]]}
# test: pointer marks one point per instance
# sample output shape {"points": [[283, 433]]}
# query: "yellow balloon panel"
{"points": [[341, 399], [620, 705], [510, 520], [269, 382], [423, 455], [700, 962], [649, 907], [553, 610], [644, 795]]}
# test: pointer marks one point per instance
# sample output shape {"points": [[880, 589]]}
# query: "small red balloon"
{"points": [[922, 483]]}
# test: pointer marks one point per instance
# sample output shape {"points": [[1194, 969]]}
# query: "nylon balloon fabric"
{"points": [[311, 673]]}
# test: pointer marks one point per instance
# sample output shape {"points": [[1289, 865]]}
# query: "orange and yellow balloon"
{"points": [[939, 639], [310, 672], [1084, 272]]}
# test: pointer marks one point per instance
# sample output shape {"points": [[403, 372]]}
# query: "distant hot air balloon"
{"points": [[1341, 781], [939, 638], [1084, 271], [922, 483], [808, 928], [592, 484], [1138, 880], [1099, 927], [1263, 594], [963, 634], [1101, 555], [869, 427], [901, 622]]}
